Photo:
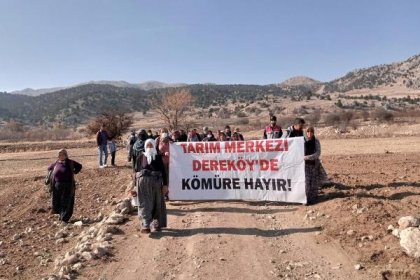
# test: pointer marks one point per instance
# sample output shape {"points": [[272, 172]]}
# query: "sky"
{"points": [[49, 43]]}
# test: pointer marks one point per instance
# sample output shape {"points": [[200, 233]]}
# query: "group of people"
{"points": [[149, 156], [315, 174]]}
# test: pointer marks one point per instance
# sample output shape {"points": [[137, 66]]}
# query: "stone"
{"points": [[390, 228], [77, 267], [124, 205], [87, 256], [115, 219], [99, 217], [84, 247], [61, 241], [101, 251], [17, 236], [70, 259], [350, 232], [64, 272], [78, 223], [410, 241], [2, 254], [408, 221], [358, 266], [61, 234], [125, 211], [396, 232]]}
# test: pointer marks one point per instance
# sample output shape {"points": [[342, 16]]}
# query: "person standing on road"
{"points": [[64, 185], [151, 186], [102, 141], [272, 131], [130, 142], [314, 172], [112, 149], [296, 130]]}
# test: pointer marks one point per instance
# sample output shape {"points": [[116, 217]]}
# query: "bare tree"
{"points": [[115, 123], [172, 107]]}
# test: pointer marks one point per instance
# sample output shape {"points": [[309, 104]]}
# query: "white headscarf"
{"points": [[150, 153]]}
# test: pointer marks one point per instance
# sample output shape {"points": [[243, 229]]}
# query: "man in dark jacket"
{"points": [[102, 141], [295, 130]]}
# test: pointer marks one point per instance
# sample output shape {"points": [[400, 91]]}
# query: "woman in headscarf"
{"points": [[151, 186], [63, 185], [162, 147], [314, 172]]}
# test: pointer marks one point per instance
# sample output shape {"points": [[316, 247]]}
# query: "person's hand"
{"points": [[165, 190], [133, 193], [167, 154]]}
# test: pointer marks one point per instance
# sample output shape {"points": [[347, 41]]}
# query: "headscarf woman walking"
{"points": [[64, 185], [151, 186]]}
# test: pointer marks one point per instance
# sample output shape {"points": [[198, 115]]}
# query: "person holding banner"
{"points": [[314, 172], [296, 130], [151, 186]]}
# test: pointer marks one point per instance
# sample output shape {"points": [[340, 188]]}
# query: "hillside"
{"points": [[70, 106], [75, 105], [406, 73], [144, 86], [300, 81]]}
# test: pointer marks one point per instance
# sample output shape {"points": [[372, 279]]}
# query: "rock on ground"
{"points": [[410, 241]]}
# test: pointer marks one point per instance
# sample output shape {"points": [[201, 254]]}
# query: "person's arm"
{"points": [[165, 179], [51, 167], [161, 168], [265, 135], [281, 132], [317, 153], [76, 167], [98, 136]]}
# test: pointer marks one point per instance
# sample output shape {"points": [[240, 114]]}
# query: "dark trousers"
{"points": [[113, 158], [63, 200]]}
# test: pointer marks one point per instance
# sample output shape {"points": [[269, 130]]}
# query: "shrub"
{"points": [[115, 124], [383, 115], [332, 119]]}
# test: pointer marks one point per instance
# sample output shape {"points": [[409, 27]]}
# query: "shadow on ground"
{"points": [[344, 191], [181, 212], [233, 231]]}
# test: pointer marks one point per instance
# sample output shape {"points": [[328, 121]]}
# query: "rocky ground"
{"points": [[346, 235]]}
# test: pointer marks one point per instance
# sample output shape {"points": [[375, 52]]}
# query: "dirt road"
{"points": [[228, 240], [371, 189]]}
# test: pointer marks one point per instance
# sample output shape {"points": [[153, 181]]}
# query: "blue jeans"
{"points": [[103, 152]]}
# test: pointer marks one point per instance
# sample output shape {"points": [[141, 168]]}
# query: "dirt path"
{"points": [[228, 240], [375, 182]]}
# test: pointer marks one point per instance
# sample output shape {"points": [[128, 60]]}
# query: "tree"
{"points": [[14, 126], [115, 123], [172, 107]]}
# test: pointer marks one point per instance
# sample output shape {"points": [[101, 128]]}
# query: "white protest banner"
{"points": [[264, 170]]}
